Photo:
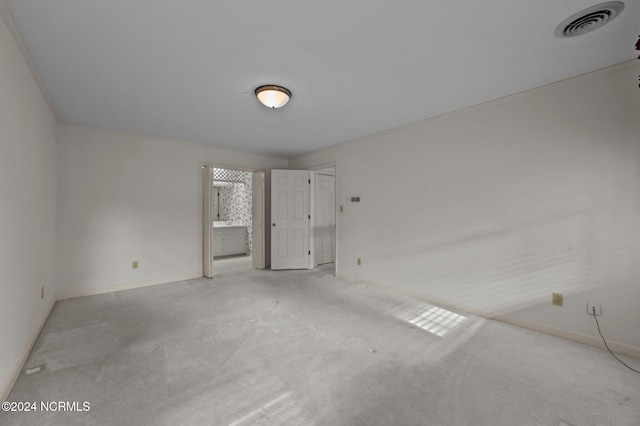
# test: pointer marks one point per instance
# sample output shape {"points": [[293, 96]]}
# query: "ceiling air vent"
{"points": [[589, 19]]}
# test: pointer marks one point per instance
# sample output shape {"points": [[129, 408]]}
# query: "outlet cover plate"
{"points": [[593, 304], [557, 299]]}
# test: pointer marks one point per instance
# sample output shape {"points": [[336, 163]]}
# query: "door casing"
{"points": [[207, 218]]}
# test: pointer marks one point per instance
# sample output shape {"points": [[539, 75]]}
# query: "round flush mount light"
{"points": [[273, 96], [589, 19]]}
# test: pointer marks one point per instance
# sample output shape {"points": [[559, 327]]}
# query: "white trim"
{"points": [[319, 167], [17, 37], [542, 328], [550, 86], [176, 141], [315, 169], [258, 212], [19, 365], [93, 292], [312, 220], [620, 348], [207, 221], [214, 165]]}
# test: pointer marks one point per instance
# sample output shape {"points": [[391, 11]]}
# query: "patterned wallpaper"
{"points": [[235, 205], [214, 198]]}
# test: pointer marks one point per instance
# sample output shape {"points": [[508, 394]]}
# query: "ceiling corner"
{"points": [[17, 36]]}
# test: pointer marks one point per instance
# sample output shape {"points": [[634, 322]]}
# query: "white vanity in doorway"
{"points": [[229, 239]]}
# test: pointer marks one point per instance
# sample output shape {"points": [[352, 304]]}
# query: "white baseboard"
{"points": [[17, 368], [542, 328], [92, 292], [585, 339]]}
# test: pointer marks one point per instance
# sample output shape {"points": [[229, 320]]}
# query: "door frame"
{"points": [[206, 223], [258, 189], [312, 198], [204, 249], [318, 174]]}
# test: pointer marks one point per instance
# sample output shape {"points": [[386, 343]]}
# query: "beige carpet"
{"points": [[305, 348]]}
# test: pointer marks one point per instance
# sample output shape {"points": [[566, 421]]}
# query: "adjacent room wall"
{"points": [[495, 207], [124, 197], [236, 205], [27, 209]]}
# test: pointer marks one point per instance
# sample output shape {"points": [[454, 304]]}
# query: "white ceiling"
{"points": [[187, 69]]}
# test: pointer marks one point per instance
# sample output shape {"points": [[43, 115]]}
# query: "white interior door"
{"points": [[258, 244], [207, 221], [290, 219], [325, 220]]}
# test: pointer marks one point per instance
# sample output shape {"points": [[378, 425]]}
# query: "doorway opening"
{"points": [[303, 219], [233, 216], [324, 226], [232, 212]]}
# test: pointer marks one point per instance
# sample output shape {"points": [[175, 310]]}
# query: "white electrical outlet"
{"points": [[592, 307]]}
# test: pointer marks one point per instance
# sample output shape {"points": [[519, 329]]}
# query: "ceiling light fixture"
{"points": [[273, 96]]}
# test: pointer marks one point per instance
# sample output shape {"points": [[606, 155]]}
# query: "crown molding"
{"points": [[62, 124], [17, 36], [631, 63]]}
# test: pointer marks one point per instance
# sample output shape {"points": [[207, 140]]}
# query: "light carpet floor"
{"points": [[305, 348]]}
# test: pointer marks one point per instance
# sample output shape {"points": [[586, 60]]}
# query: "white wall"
{"points": [[495, 207], [124, 197], [27, 208]]}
